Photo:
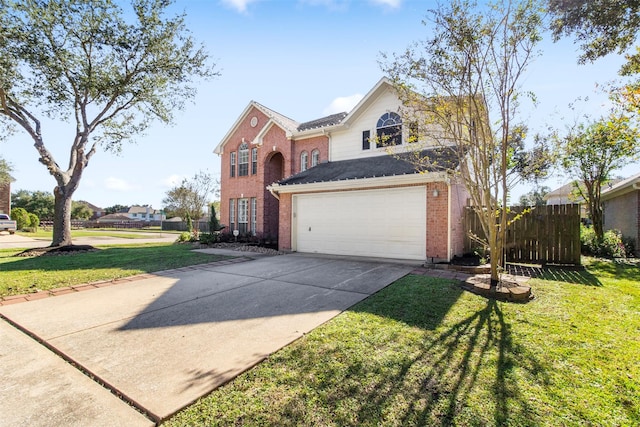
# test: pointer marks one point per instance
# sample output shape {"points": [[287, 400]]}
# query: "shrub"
{"points": [[208, 238], [611, 246], [214, 224], [185, 236], [34, 221], [21, 217]]}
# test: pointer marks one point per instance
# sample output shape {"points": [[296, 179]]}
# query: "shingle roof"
{"points": [[331, 120], [432, 160], [285, 122]]}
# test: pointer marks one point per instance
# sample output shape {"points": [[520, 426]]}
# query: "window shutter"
{"points": [[366, 144]]}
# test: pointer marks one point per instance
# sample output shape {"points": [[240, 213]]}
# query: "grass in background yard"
{"points": [[19, 275], [95, 232], [422, 352]]}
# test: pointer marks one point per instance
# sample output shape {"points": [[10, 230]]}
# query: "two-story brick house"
{"points": [[263, 147], [331, 186]]}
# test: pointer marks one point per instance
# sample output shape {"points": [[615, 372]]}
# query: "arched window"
{"points": [[389, 130], [304, 161], [243, 159], [315, 158]]}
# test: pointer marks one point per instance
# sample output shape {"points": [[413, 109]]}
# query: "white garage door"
{"points": [[378, 223]]}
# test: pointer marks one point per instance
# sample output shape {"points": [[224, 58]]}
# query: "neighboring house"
{"points": [[144, 213], [97, 212], [567, 195], [5, 197], [564, 195], [621, 203], [325, 186], [115, 217]]}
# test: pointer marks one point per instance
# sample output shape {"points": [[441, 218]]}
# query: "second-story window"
{"points": [[389, 130], [243, 159], [315, 158], [254, 160], [304, 161], [232, 164]]}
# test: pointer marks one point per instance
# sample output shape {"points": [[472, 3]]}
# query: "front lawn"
{"points": [[130, 233], [422, 352], [20, 275]]}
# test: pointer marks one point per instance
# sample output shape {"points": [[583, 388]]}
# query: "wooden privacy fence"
{"points": [[546, 235]]}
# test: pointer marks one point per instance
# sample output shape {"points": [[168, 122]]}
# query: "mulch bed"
{"points": [[57, 250]]}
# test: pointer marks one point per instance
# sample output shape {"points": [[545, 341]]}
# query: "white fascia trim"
{"points": [[367, 100], [220, 147], [258, 140], [354, 184], [260, 136], [310, 133], [621, 188]]}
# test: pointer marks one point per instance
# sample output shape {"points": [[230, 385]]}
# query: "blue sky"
{"points": [[304, 59]]}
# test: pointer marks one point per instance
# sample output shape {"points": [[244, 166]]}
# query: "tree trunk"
{"points": [[598, 220], [62, 217]]}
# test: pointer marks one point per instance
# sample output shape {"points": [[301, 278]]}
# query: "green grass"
{"points": [[20, 275], [421, 352], [95, 232]]}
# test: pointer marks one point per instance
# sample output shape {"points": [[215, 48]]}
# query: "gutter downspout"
{"points": [[273, 192]]}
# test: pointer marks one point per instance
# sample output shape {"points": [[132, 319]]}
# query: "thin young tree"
{"points": [[461, 91], [5, 171], [190, 198], [592, 152], [110, 72]]}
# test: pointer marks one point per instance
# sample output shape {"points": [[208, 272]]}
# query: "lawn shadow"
{"points": [[576, 275], [436, 379], [140, 258]]}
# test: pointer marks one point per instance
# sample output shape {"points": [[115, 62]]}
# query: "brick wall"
{"points": [[284, 233], [5, 198], [320, 143], [437, 221], [278, 157]]}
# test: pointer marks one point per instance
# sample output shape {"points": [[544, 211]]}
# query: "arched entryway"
{"points": [[273, 172]]}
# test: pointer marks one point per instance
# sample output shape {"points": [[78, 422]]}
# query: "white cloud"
{"points": [[239, 5], [343, 103], [173, 180], [394, 4], [118, 184]]}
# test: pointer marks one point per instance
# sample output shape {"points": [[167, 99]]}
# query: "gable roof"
{"points": [[379, 88], [91, 206], [290, 126], [433, 160], [114, 217], [284, 122], [294, 129], [287, 124], [563, 191], [569, 190], [330, 120], [621, 187]]}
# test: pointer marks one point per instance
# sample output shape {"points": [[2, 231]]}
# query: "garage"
{"points": [[386, 223]]}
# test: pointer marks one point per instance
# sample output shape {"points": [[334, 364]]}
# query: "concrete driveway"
{"points": [[17, 241], [162, 342]]}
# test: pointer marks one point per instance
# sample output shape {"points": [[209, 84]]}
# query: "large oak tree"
{"points": [[600, 26], [109, 71]]}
